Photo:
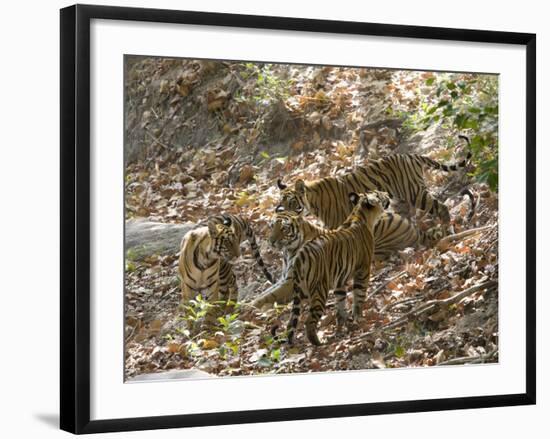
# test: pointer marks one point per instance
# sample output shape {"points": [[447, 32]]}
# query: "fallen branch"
{"points": [[444, 243], [469, 360], [389, 306], [432, 306]]}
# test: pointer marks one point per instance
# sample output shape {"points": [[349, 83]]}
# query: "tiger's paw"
{"points": [[357, 315], [312, 336]]}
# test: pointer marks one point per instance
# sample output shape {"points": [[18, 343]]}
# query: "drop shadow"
{"points": [[49, 419]]}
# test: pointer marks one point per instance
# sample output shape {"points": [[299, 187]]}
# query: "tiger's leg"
{"points": [[186, 292], [341, 313], [317, 307], [426, 202], [360, 283], [228, 283], [297, 298], [212, 296], [429, 204]]}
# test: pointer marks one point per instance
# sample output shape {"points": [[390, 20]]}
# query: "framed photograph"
{"points": [[272, 218]]}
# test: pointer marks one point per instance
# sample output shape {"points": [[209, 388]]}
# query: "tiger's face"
{"points": [[368, 206], [224, 241], [292, 199], [285, 230]]}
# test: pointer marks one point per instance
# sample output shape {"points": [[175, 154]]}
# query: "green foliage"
{"points": [[465, 104], [225, 332], [196, 309], [399, 351], [270, 88], [131, 255], [228, 322], [231, 329]]}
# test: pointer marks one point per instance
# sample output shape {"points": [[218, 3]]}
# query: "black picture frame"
{"points": [[75, 217]]}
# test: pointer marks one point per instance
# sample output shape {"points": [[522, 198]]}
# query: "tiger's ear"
{"points": [[354, 198], [300, 186], [226, 221], [212, 228], [281, 185]]}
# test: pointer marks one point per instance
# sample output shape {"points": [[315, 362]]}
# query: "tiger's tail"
{"points": [[294, 313], [250, 237], [447, 168], [281, 293], [297, 294], [473, 202]]}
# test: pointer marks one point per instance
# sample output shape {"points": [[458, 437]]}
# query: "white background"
{"points": [[30, 205]]}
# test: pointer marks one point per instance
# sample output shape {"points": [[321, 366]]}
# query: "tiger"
{"points": [[400, 175], [392, 232], [330, 260], [289, 232], [205, 258]]}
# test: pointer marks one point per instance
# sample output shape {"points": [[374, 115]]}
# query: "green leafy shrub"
{"points": [[465, 104], [270, 87]]}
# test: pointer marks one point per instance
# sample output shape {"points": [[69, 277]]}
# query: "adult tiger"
{"points": [[400, 175], [289, 232], [206, 252], [330, 260]]}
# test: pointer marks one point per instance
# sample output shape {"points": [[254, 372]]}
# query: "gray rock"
{"points": [[144, 238]]}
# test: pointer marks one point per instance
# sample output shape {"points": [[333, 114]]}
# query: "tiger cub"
{"points": [[400, 175], [392, 232], [330, 260], [289, 232], [206, 252]]}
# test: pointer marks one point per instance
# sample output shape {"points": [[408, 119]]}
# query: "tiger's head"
{"points": [[292, 199], [224, 241], [367, 207], [285, 230]]}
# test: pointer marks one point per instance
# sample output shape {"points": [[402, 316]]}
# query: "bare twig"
{"points": [[127, 339], [156, 140], [385, 284]]}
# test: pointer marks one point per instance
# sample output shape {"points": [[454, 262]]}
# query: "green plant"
{"points": [[465, 104], [228, 322], [231, 329], [196, 309], [269, 87]]}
